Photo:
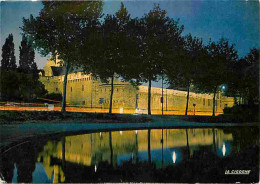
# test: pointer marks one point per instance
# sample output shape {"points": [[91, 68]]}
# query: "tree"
{"points": [[27, 55], [29, 86], [59, 29], [215, 67], [9, 77], [8, 61], [157, 37], [189, 60], [251, 77], [109, 49], [9, 85], [243, 81]]}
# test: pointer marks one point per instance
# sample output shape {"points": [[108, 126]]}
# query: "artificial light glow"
{"points": [[121, 110], [224, 149], [95, 168], [100, 134], [174, 157], [121, 132], [136, 132]]}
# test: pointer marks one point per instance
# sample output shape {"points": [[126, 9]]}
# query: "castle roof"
{"points": [[60, 70]]}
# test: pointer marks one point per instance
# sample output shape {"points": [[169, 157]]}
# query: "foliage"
{"points": [[245, 82], [244, 113], [187, 65], [22, 83], [158, 38], [215, 68], [54, 96], [16, 85], [136, 50], [189, 58], [8, 61], [59, 29], [109, 50], [216, 65], [27, 56]]}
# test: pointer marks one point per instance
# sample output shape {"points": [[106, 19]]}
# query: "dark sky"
{"points": [[238, 21]]}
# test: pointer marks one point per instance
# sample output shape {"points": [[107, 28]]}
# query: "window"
{"points": [[208, 102], [82, 87], [70, 89], [83, 102], [56, 89], [117, 90], [216, 103], [204, 101]]}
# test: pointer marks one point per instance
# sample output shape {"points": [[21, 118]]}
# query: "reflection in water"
{"points": [[123, 153], [174, 157], [149, 146], [224, 149]]}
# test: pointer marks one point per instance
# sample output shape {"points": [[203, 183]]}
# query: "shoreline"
{"points": [[14, 134], [39, 124]]}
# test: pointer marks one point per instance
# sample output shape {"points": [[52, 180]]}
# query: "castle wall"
{"points": [[82, 89]]}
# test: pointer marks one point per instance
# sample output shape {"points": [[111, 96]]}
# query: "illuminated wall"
{"points": [[84, 90]]}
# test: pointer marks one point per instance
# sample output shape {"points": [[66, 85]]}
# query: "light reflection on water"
{"points": [[62, 159]]}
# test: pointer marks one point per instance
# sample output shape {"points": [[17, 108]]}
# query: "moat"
{"points": [[148, 155]]}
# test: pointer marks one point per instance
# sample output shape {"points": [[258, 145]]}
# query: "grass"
{"points": [[50, 116]]}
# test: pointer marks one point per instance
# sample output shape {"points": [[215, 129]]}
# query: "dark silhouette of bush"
{"points": [[245, 113], [54, 96]]}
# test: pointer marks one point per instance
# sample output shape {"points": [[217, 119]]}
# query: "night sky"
{"points": [[238, 21]]}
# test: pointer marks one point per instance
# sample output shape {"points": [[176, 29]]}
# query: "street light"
{"points": [[223, 87]]}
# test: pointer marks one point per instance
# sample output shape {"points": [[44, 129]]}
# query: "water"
{"points": [[154, 155]]}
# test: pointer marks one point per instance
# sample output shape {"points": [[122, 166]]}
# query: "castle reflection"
{"points": [[153, 155], [159, 146]]}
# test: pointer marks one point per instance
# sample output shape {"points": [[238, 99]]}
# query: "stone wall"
{"points": [[84, 90]]}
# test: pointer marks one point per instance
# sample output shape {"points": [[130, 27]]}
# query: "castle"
{"points": [[84, 90], [122, 146]]}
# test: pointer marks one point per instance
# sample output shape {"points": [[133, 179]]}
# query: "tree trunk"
{"points": [[214, 97], [67, 67], [188, 96], [162, 95], [149, 97], [111, 94]]}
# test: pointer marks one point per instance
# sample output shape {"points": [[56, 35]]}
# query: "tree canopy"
{"points": [[8, 61], [59, 29]]}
